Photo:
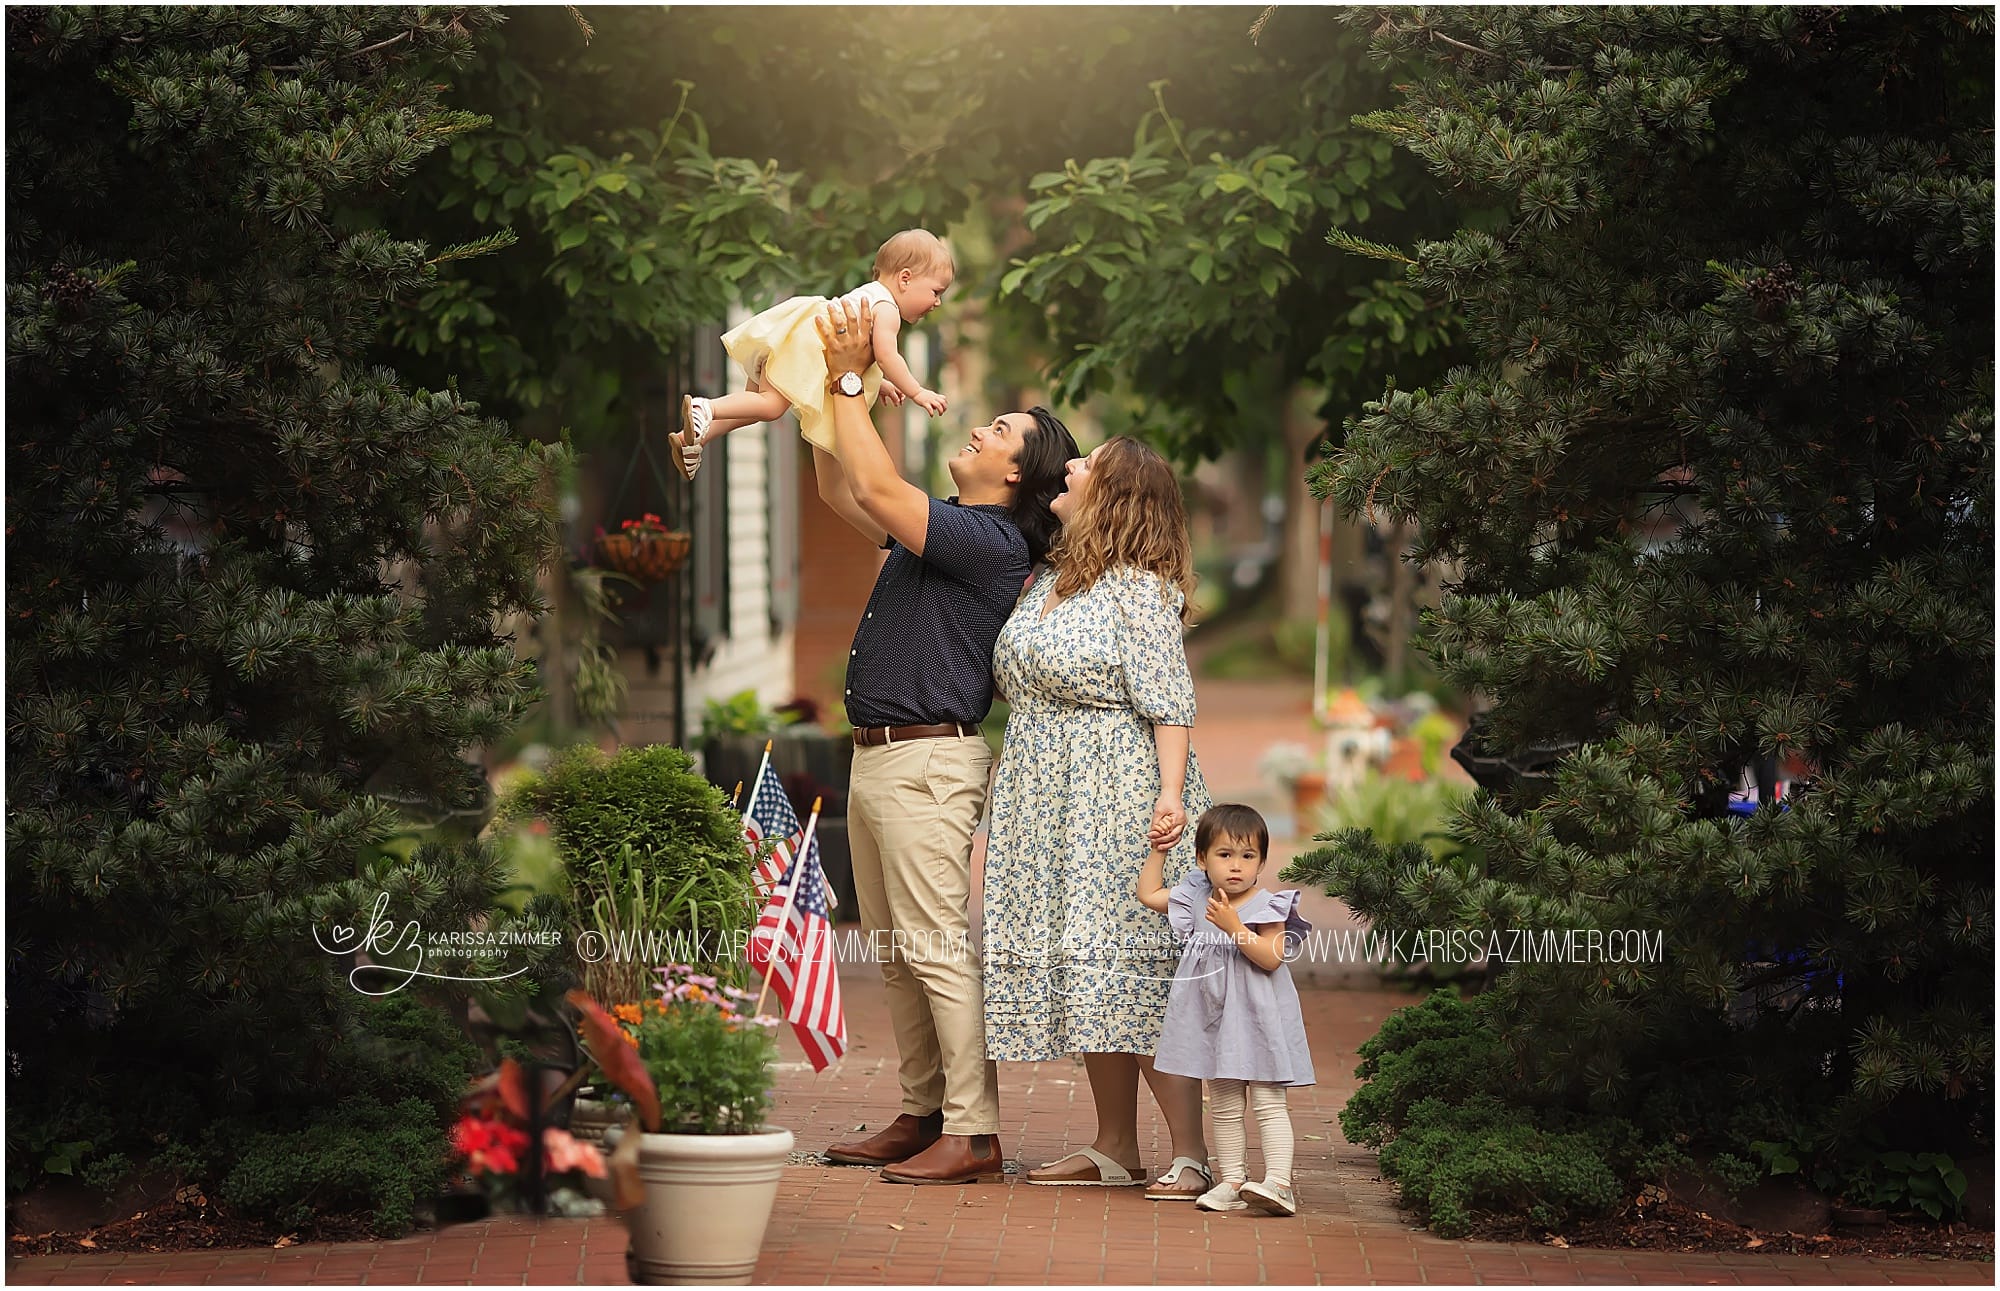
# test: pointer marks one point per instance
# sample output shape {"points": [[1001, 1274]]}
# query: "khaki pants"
{"points": [[911, 810]]}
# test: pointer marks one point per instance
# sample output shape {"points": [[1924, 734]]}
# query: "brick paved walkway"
{"points": [[842, 1225]]}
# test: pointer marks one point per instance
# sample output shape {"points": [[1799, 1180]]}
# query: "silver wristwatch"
{"points": [[847, 383]]}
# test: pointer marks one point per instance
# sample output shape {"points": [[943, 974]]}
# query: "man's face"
{"points": [[989, 459]]}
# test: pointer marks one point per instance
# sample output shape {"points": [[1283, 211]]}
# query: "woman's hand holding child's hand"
{"points": [[1169, 822]]}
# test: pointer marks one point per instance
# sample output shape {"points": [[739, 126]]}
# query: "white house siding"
{"points": [[749, 656]]}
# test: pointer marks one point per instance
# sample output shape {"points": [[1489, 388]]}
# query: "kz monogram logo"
{"points": [[383, 940]]}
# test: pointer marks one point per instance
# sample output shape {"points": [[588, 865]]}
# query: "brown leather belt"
{"points": [[873, 735]]}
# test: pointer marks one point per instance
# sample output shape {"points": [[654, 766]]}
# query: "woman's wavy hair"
{"points": [[1045, 455], [1130, 514]]}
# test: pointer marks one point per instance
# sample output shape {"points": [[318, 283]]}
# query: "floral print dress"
{"points": [[1072, 962]]}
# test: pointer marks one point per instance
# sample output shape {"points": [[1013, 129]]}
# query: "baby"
{"points": [[787, 364]]}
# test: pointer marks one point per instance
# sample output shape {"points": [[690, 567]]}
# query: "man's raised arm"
{"points": [[901, 508]]}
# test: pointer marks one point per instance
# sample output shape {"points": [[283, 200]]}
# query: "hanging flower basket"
{"points": [[643, 549]]}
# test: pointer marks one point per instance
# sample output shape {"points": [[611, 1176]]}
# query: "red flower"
{"points": [[488, 1145]]}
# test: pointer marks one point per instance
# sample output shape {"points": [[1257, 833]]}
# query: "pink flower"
{"points": [[563, 1152]]}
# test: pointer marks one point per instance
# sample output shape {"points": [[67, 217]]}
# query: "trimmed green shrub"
{"points": [[1435, 1104], [359, 1155], [645, 808], [408, 1049], [1458, 1160]]}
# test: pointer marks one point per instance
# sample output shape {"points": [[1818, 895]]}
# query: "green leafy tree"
{"points": [[1720, 487], [1204, 275], [252, 582], [669, 162]]}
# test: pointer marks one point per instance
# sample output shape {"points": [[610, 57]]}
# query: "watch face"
{"points": [[850, 383]]}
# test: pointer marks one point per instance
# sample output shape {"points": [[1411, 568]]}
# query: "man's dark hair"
{"points": [[1231, 820], [1042, 458]]}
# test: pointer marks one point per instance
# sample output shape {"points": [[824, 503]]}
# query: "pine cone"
{"points": [[66, 286], [24, 25], [1817, 24], [1773, 289]]}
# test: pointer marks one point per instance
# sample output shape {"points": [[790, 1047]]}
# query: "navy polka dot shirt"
{"points": [[923, 652]]}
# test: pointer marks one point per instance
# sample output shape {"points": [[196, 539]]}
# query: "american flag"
{"points": [[770, 815], [806, 977]]}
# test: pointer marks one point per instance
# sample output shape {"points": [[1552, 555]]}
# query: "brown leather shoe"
{"points": [[900, 1140], [954, 1158]]}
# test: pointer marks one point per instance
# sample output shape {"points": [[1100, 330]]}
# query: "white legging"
{"points": [[1274, 1129]]}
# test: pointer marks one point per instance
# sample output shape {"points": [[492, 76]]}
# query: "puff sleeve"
{"points": [[1158, 685], [1186, 903], [1284, 907]]}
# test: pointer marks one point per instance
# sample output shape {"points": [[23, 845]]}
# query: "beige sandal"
{"points": [[1162, 1191], [1106, 1174]]}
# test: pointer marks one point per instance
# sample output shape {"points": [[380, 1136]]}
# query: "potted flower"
{"points": [[697, 1185], [1291, 766], [512, 1152], [643, 549]]}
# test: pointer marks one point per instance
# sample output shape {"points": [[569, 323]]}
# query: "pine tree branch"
{"points": [[381, 45], [1487, 53]]}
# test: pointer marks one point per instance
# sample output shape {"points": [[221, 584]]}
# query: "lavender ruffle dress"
{"points": [[1228, 1019]]}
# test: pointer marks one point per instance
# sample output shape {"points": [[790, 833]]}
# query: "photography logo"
{"points": [[392, 957]]}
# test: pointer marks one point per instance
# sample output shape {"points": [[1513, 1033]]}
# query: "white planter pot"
{"points": [[708, 1200]]}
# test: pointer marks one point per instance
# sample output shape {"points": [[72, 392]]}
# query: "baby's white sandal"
{"points": [[686, 443]]}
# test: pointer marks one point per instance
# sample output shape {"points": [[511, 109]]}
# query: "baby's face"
{"points": [[1232, 864], [920, 292]]}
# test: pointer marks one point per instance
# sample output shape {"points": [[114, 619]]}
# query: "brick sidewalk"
{"points": [[842, 1225]]}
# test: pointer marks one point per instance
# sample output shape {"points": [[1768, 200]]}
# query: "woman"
{"points": [[1096, 767]]}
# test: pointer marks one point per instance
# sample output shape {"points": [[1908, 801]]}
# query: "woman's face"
{"points": [[1076, 481]]}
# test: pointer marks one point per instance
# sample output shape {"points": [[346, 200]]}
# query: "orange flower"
{"points": [[630, 1039], [659, 1005], [627, 1013]]}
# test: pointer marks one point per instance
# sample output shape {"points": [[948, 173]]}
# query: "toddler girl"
{"points": [[787, 364], [1233, 1018]]}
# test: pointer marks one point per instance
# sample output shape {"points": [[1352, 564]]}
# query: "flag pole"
{"points": [[761, 766], [785, 916], [735, 795]]}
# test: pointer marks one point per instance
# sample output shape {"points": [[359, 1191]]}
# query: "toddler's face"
{"points": [[920, 293], [1232, 864]]}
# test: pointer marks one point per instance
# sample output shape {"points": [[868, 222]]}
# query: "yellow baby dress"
{"points": [[784, 344]]}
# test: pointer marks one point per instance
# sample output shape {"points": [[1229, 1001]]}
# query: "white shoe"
{"points": [[1271, 1198], [685, 444], [1221, 1197]]}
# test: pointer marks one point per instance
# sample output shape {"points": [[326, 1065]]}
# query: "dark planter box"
{"points": [[809, 763]]}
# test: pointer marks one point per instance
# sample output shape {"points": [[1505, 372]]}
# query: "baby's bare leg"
{"points": [[732, 411]]}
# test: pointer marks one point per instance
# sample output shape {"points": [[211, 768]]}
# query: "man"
{"points": [[919, 682]]}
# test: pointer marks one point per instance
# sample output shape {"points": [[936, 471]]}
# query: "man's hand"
{"points": [[931, 402], [850, 346], [899, 508]]}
